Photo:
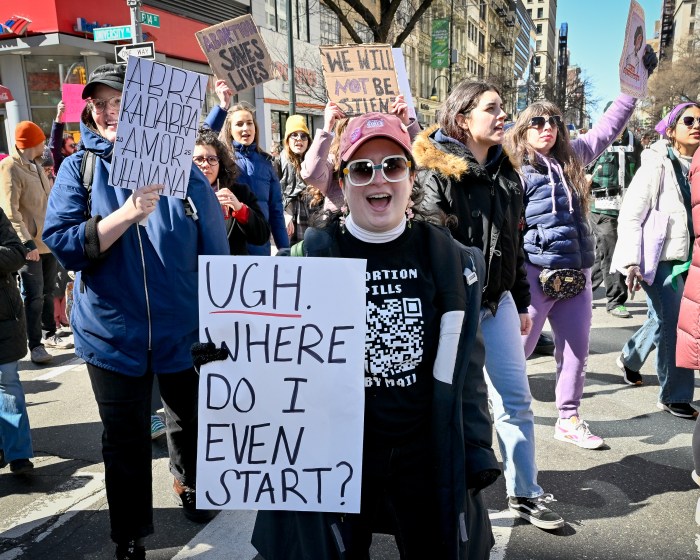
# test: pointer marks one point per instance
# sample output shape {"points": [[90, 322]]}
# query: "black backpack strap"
{"points": [[87, 174]]}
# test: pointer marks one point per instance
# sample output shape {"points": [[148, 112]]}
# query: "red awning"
{"points": [[5, 95]]}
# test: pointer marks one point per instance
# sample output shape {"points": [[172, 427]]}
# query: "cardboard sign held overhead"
{"points": [[72, 96], [158, 122], [281, 418], [236, 53], [633, 74], [360, 78]]}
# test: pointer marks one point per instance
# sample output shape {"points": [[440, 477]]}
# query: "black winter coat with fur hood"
{"points": [[487, 202]]}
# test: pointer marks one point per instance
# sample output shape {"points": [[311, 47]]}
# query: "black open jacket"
{"points": [[455, 183], [13, 330]]}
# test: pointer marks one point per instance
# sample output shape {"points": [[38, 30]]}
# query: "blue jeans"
{"points": [[15, 437], [124, 403], [37, 280], [509, 393], [659, 330]]}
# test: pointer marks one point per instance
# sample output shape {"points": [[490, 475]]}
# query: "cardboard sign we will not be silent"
{"points": [[236, 53], [360, 78]]}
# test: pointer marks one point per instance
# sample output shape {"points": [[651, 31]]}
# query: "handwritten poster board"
{"points": [[360, 78], [281, 419], [72, 96], [158, 122], [633, 75], [236, 53]]}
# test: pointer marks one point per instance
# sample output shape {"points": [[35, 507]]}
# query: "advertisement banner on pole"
{"points": [[440, 45]]}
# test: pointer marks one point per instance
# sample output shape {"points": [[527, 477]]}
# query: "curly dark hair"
{"points": [[228, 170]]}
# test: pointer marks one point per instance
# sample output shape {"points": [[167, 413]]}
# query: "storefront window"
{"points": [[45, 74]]}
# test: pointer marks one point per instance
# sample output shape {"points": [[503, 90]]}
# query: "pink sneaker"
{"points": [[574, 430]]}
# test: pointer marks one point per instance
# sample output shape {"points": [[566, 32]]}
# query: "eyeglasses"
{"points": [[99, 105], [361, 171], [211, 160], [539, 122], [689, 121], [299, 135]]}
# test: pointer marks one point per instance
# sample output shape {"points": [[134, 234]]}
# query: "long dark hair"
{"points": [[227, 137], [228, 170], [462, 100], [521, 152]]}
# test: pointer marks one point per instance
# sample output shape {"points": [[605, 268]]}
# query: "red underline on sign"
{"points": [[293, 316]]}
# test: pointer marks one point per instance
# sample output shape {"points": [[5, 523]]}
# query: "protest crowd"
{"points": [[473, 234]]}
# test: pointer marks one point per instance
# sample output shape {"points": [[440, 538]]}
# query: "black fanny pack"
{"points": [[562, 283]]}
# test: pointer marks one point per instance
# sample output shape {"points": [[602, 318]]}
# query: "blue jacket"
{"points": [[257, 172], [557, 233], [141, 294]]}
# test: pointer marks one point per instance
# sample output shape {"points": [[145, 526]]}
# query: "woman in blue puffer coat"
{"points": [[239, 131]]}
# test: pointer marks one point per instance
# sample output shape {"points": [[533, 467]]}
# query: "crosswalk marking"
{"points": [[55, 372]]}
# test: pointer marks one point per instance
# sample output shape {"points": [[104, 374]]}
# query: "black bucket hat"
{"points": [[111, 75]]}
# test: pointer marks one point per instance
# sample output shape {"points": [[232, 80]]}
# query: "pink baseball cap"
{"points": [[369, 126]]}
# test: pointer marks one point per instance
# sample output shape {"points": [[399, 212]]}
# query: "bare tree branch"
{"points": [[422, 8], [344, 21]]}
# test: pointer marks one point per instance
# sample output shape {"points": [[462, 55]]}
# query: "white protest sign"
{"points": [[281, 418], [158, 122], [633, 74], [404, 85]]}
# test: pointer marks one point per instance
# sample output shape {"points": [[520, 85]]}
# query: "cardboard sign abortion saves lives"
{"points": [[236, 53], [158, 122], [281, 417], [360, 78]]}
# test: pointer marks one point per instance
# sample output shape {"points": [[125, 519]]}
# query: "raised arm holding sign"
{"points": [[633, 74]]}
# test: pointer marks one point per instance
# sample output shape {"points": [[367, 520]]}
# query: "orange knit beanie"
{"points": [[28, 135]]}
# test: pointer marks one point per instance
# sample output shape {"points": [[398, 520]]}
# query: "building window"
{"points": [[538, 28], [537, 61], [480, 72], [45, 74], [692, 9], [482, 11], [364, 32], [482, 43], [330, 27], [538, 45], [529, 12], [540, 13]]}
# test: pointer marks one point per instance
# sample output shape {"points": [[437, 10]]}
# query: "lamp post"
{"points": [[135, 8], [434, 92]]}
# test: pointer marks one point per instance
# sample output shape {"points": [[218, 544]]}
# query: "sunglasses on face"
{"points": [[299, 135], [539, 122], [360, 172], [201, 160], [689, 121], [99, 105]]}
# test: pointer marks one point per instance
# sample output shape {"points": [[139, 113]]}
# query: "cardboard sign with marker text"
{"points": [[236, 53], [360, 78]]}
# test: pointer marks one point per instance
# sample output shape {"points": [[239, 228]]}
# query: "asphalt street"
{"points": [[632, 499]]}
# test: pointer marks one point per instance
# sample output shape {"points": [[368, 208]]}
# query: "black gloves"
{"points": [[205, 352], [649, 59]]}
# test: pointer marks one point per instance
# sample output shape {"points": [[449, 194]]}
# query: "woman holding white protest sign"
{"points": [[427, 433], [135, 308], [245, 222]]}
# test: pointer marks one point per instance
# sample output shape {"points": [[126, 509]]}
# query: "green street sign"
{"points": [[150, 19], [121, 33], [439, 51]]}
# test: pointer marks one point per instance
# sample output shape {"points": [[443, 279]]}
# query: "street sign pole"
{"points": [[135, 7]]}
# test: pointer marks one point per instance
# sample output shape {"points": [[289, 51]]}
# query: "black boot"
{"points": [[545, 345]]}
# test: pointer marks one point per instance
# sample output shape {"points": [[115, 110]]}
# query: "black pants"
{"points": [[124, 403], [37, 279], [605, 228], [398, 498]]}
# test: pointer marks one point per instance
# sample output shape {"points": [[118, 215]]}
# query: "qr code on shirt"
{"points": [[394, 337]]}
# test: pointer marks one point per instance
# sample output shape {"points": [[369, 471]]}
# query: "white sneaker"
{"points": [[58, 342], [576, 431]]}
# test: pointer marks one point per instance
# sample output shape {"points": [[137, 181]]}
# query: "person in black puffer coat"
{"points": [[15, 437]]}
